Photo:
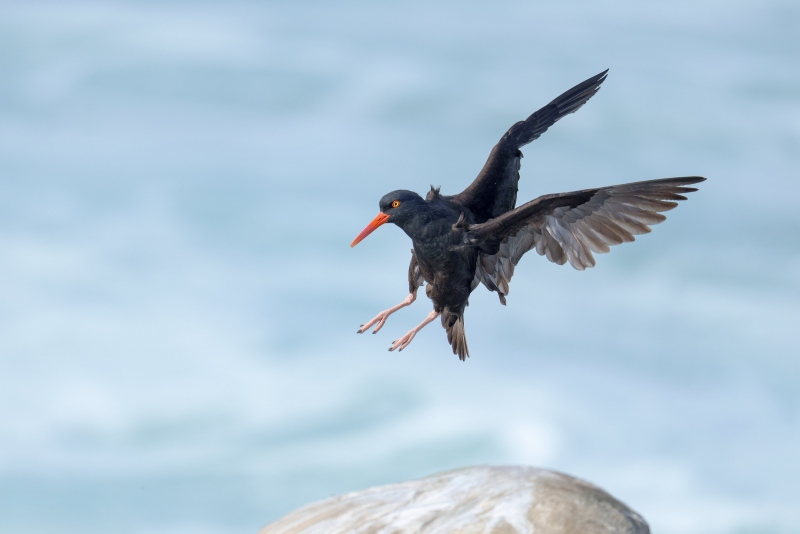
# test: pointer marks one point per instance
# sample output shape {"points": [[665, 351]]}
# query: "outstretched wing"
{"points": [[571, 226], [494, 191]]}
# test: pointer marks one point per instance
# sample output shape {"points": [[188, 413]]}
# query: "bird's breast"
{"points": [[448, 271]]}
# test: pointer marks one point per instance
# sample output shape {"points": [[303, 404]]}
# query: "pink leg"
{"points": [[382, 316], [406, 339]]}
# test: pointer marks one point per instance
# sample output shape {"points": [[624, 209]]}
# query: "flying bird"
{"points": [[478, 236]]}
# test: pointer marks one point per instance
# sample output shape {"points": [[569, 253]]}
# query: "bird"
{"points": [[479, 235]]}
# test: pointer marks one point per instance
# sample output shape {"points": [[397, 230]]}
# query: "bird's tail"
{"points": [[453, 323]]}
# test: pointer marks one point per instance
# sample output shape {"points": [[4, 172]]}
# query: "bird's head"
{"points": [[396, 207]]}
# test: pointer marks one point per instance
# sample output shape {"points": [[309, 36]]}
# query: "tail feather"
{"points": [[453, 323]]}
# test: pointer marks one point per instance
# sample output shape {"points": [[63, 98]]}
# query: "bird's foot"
{"points": [[380, 319], [403, 342]]}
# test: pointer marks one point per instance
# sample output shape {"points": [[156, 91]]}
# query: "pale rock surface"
{"points": [[485, 500]]}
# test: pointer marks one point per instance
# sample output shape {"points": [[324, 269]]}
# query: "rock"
{"points": [[486, 500]]}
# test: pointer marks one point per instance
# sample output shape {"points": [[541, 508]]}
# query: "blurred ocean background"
{"points": [[179, 184]]}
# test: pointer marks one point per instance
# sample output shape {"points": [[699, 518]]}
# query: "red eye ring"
{"points": [[395, 203]]}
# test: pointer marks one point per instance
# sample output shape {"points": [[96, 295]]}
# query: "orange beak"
{"points": [[376, 222]]}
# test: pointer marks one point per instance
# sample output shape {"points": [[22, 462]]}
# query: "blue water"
{"points": [[179, 183]]}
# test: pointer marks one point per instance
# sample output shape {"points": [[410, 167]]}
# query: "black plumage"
{"points": [[478, 236]]}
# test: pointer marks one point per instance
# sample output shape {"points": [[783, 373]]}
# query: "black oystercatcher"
{"points": [[477, 236]]}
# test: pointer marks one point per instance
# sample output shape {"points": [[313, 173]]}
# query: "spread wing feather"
{"points": [[494, 191], [571, 227]]}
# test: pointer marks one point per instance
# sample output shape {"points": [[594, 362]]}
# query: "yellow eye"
{"points": [[395, 203]]}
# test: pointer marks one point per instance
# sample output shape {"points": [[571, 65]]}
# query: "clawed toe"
{"points": [[403, 342], [380, 319]]}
